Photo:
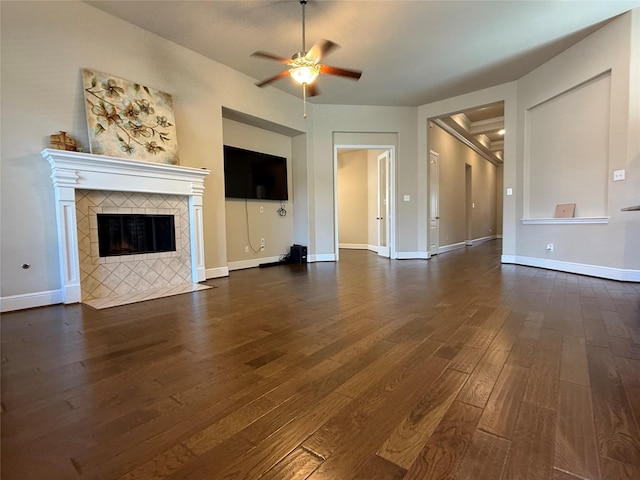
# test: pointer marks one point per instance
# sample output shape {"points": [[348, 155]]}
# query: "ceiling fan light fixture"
{"points": [[305, 74]]}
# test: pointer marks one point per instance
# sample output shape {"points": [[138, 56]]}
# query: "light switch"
{"points": [[509, 191], [407, 198], [618, 175]]}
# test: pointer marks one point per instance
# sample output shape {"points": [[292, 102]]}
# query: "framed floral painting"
{"points": [[129, 120]]}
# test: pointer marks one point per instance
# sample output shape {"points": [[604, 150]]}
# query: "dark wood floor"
{"points": [[457, 367]]}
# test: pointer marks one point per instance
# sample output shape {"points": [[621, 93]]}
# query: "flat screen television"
{"points": [[254, 175]]}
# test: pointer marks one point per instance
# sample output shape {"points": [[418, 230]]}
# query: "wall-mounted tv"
{"points": [[249, 174]]}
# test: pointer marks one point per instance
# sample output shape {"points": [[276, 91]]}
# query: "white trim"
{"points": [[453, 246], [217, 272], [30, 300], [621, 274], [413, 256], [322, 257], [477, 241], [101, 172], [75, 170], [252, 262], [564, 221]]}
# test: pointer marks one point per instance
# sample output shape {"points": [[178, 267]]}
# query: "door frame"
{"points": [[393, 254]]}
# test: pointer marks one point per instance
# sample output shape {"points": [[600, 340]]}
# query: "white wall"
{"points": [[609, 249], [371, 126], [249, 221], [44, 47], [567, 151]]}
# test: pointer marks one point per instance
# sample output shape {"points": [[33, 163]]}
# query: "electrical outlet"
{"points": [[246, 249], [262, 242], [550, 247], [262, 248], [261, 209], [618, 175]]}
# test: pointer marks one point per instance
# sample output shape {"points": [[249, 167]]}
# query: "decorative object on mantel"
{"points": [[565, 210], [62, 141], [633, 208], [129, 120]]}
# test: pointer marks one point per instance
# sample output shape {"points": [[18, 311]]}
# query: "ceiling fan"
{"points": [[305, 65]]}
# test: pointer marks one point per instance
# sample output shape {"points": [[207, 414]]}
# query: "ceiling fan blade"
{"points": [[284, 73], [271, 56], [321, 49], [342, 72], [312, 90]]}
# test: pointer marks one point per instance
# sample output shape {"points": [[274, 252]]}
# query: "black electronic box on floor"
{"points": [[298, 254]]}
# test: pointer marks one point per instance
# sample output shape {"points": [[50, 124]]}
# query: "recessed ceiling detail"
{"points": [[479, 128]]}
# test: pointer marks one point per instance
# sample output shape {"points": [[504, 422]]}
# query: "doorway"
{"points": [[468, 205], [434, 202], [364, 198], [382, 218], [464, 177]]}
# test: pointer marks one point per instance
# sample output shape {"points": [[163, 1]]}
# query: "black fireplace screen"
{"points": [[128, 234]]}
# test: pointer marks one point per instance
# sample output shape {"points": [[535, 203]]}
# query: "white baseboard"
{"points": [[217, 272], [354, 246], [412, 255], [477, 241], [358, 246], [621, 274], [322, 257], [453, 246], [251, 263], [30, 300]]}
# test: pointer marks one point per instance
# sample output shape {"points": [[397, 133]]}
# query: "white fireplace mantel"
{"points": [[74, 170]]}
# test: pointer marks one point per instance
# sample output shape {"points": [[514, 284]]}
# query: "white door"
{"points": [[383, 205], [434, 209]]}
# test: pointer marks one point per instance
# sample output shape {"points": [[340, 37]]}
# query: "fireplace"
{"points": [[131, 234], [89, 185]]}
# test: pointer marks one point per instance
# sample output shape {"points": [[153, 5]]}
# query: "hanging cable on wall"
{"points": [[246, 213]]}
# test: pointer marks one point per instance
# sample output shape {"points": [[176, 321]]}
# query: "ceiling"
{"points": [[411, 52]]}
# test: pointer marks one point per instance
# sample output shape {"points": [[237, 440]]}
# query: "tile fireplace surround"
{"points": [[127, 186]]}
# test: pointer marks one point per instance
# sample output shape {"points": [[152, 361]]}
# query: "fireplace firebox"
{"points": [[135, 234]]}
